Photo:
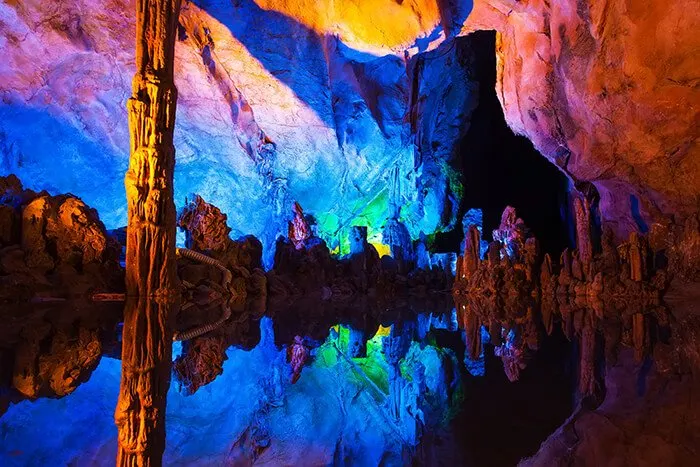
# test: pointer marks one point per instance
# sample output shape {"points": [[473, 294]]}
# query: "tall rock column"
{"points": [[151, 281]]}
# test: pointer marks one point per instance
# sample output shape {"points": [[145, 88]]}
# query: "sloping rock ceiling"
{"points": [[351, 107]]}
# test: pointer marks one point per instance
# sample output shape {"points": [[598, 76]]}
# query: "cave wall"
{"points": [[278, 102], [608, 91], [283, 101]]}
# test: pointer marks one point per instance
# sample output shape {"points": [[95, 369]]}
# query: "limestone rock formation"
{"points": [[610, 294], [151, 281], [277, 102], [52, 247], [608, 92]]}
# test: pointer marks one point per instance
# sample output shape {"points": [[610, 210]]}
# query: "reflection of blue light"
{"points": [[329, 412], [177, 349], [485, 336]]}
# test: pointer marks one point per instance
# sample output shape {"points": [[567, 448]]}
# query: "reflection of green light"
{"points": [[437, 406], [343, 337], [374, 366]]}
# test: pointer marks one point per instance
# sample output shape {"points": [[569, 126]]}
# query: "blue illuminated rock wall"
{"points": [[270, 110]]}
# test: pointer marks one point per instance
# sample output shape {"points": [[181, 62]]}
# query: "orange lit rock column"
{"points": [[151, 282]]}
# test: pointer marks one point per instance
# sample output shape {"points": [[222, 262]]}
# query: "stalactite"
{"points": [[151, 281]]}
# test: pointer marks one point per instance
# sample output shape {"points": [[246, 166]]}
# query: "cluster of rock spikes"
{"points": [[601, 294]]}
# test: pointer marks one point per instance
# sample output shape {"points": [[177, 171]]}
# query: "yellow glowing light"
{"points": [[365, 24], [382, 331], [382, 249]]}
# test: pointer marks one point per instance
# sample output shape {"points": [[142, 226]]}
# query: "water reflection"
{"points": [[312, 383]]}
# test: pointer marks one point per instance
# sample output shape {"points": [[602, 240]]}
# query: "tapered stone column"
{"points": [[151, 282]]}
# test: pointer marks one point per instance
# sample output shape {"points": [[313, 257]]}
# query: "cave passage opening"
{"points": [[499, 168], [501, 422]]}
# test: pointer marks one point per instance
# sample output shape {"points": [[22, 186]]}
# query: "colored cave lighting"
{"points": [[277, 102], [335, 399]]}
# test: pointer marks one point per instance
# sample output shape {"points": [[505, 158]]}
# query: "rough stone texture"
{"points": [[638, 357], [52, 247], [48, 351], [59, 371], [151, 280], [608, 91], [278, 101], [283, 100]]}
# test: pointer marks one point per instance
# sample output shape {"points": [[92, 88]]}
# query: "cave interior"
{"points": [[332, 232]]}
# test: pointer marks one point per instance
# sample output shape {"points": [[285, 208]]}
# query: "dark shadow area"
{"points": [[502, 422], [500, 168]]}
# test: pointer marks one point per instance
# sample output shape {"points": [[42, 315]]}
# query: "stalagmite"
{"points": [[584, 244], [636, 257], [299, 230], [472, 244], [151, 281]]}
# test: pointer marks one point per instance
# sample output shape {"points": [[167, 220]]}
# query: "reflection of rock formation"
{"points": [[304, 272], [50, 351], [235, 307], [201, 362], [609, 295]]}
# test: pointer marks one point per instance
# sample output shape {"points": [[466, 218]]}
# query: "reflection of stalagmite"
{"points": [[472, 330], [513, 356], [151, 280], [299, 355], [587, 380], [395, 347], [640, 337]]}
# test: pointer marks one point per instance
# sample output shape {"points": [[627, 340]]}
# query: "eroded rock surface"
{"points": [[608, 91], [52, 247], [277, 103]]}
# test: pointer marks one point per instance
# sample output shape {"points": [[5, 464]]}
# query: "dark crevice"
{"points": [[500, 168]]}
